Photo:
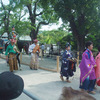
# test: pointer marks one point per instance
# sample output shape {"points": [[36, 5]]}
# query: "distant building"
{"points": [[5, 37], [26, 38]]}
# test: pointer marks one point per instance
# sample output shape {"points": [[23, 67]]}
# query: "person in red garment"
{"points": [[97, 69]]}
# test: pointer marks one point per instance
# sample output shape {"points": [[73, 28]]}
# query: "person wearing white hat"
{"points": [[34, 49]]}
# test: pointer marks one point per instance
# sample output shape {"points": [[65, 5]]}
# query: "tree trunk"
{"points": [[33, 35], [79, 36], [81, 43]]}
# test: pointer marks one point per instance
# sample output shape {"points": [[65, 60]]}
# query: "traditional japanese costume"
{"points": [[87, 66], [67, 67], [13, 35], [34, 49], [97, 69], [87, 77]]}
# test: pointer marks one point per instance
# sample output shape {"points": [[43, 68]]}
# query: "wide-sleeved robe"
{"points": [[87, 66], [67, 67], [97, 69]]}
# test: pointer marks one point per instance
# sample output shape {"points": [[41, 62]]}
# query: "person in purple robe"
{"points": [[87, 71]]}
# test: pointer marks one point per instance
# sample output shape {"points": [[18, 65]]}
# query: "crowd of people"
{"points": [[89, 68], [12, 53]]}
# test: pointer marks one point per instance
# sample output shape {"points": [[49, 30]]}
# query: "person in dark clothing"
{"points": [[17, 55], [1, 46], [68, 64], [11, 86]]}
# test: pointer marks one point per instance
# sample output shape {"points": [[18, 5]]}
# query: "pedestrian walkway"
{"points": [[44, 84]]}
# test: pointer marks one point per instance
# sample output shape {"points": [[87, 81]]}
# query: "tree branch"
{"points": [[41, 23], [20, 17], [8, 18], [1, 34], [30, 10], [35, 6], [3, 5], [39, 13]]}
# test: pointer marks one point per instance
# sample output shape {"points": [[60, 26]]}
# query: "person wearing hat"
{"points": [[11, 86], [13, 34], [97, 68], [11, 52], [34, 49], [68, 65]]}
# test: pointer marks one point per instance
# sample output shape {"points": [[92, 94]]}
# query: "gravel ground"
{"points": [[46, 85], [45, 62]]}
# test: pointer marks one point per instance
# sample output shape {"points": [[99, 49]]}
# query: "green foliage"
{"points": [[10, 15], [83, 16], [38, 15], [95, 38], [23, 28], [78, 9], [68, 38], [51, 37], [49, 12]]}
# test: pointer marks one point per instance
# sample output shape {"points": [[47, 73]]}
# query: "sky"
{"points": [[5, 2], [44, 27], [51, 27]]}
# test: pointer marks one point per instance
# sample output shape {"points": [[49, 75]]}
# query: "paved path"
{"points": [[46, 85], [46, 62]]}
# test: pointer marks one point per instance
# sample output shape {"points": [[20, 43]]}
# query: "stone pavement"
{"points": [[44, 84]]}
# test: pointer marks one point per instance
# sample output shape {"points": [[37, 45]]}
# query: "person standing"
{"points": [[42, 48], [97, 69], [11, 55], [34, 49], [17, 55], [68, 65], [87, 75]]}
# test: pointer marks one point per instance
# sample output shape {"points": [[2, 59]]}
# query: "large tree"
{"points": [[82, 16], [38, 15], [5, 16]]}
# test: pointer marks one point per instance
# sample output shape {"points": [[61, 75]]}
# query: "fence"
{"points": [[46, 62], [49, 62], [33, 97]]}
